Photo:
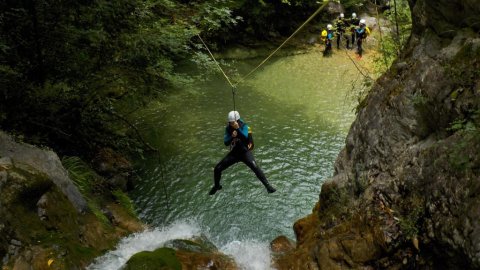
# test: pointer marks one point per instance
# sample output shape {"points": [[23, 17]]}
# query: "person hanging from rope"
{"points": [[327, 37], [354, 22], [340, 26], [362, 31], [238, 136]]}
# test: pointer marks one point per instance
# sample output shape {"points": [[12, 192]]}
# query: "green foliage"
{"points": [[213, 15], [410, 221], [467, 125], [80, 173], [74, 72], [395, 39], [468, 130], [85, 179], [270, 18], [125, 201], [352, 5], [359, 91], [419, 99], [97, 211]]}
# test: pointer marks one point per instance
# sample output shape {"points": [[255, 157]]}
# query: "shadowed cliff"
{"points": [[406, 188]]}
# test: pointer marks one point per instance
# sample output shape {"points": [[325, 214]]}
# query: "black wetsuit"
{"points": [[354, 22], [361, 33], [341, 25], [239, 152]]}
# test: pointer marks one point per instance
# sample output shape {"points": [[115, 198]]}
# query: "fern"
{"points": [[125, 201], [80, 174]]}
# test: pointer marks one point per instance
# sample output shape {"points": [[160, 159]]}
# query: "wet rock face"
{"points": [[410, 170], [42, 217], [35, 160], [281, 244]]}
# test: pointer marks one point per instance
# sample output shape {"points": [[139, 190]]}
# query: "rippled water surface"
{"points": [[300, 112]]}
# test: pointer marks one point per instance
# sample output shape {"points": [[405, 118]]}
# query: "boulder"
{"points": [[29, 157], [282, 244], [197, 253], [162, 258]]}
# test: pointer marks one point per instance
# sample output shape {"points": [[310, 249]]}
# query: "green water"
{"points": [[300, 112]]}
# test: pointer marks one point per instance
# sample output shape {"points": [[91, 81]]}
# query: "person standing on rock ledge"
{"points": [[327, 37], [238, 136], [354, 22], [362, 33], [341, 25]]}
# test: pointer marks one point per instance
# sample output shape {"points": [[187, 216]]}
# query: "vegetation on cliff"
{"points": [[45, 220], [405, 194], [74, 73]]}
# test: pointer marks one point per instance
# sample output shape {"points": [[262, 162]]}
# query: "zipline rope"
{"points": [[242, 79], [271, 54], [219, 67], [279, 47], [214, 60], [357, 66]]}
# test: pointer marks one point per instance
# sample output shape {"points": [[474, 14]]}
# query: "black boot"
{"points": [[214, 189], [270, 189]]}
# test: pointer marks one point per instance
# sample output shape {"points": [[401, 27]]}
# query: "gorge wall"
{"points": [[406, 189], [45, 221]]}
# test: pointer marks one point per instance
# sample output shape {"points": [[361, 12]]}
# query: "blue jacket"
{"points": [[244, 136], [330, 35], [361, 32]]}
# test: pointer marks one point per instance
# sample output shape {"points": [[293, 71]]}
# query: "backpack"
{"points": [[324, 35]]}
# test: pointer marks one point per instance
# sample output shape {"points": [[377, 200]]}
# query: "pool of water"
{"points": [[299, 109]]}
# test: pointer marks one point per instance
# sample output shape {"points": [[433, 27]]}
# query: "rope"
{"points": [[218, 65], [265, 60], [233, 97], [279, 47], [359, 70]]}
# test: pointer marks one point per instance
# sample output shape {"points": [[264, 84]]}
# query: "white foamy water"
{"points": [[145, 241], [249, 254]]}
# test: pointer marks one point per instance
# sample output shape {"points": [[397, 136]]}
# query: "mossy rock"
{"points": [[159, 259], [198, 244]]}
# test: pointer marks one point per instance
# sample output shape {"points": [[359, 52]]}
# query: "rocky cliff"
{"points": [[406, 188], [45, 222]]}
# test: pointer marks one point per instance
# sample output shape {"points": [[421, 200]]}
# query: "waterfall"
{"points": [[248, 254]]}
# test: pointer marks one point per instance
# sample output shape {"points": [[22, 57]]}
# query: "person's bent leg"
{"points": [[249, 160], [226, 162]]}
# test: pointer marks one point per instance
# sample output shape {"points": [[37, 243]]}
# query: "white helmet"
{"points": [[362, 21], [342, 15], [354, 15], [329, 26], [233, 116]]}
